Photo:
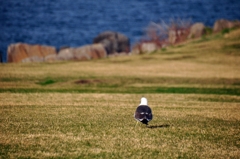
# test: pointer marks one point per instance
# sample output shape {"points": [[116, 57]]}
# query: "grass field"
{"points": [[85, 109]]}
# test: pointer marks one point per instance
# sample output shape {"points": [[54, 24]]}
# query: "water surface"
{"points": [[75, 23]]}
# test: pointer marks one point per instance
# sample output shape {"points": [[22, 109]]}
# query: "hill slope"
{"points": [[207, 65]]}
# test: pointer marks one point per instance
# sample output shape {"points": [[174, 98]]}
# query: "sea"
{"points": [[75, 23]]}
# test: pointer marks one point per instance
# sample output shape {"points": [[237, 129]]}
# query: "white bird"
{"points": [[143, 112]]}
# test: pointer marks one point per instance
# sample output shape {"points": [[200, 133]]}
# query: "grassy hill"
{"points": [[207, 65], [85, 109]]}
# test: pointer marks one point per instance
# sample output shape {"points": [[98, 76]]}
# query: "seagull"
{"points": [[143, 112]]}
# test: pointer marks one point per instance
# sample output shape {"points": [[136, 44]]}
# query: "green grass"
{"points": [[46, 81], [181, 90], [85, 109]]}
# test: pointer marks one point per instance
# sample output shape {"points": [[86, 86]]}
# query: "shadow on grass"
{"points": [[158, 126]]}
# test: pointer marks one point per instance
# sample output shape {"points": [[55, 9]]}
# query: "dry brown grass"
{"points": [[69, 125]]}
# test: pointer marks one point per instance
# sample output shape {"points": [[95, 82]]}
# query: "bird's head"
{"points": [[143, 101]]}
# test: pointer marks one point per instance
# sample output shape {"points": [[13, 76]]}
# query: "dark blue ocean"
{"points": [[76, 22]]}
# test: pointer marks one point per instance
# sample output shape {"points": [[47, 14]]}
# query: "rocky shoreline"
{"points": [[110, 43]]}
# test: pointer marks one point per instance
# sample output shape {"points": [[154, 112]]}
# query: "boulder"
{"points": [[82, 53], [88, 52], [17, 52], [196, 30], [221, 24], [50, 58], [148, 47], [21, 52], [65, 54], [48, 50], [145, 47], [113, 42]]}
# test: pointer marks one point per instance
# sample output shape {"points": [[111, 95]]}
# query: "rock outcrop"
{"points": [[113, 42], [221, 24], [145, 47], [21, 52], [65, 54], [177, 35], [87, 52], [50, 58], [196, 30]]}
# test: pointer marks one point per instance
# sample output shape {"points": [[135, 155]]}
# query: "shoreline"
{"points": [[174, 34]]}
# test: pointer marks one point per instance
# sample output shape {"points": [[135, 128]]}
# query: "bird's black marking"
{"points": [[143, 114]]}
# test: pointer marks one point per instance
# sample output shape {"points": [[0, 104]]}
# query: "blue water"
{"points": [[76, 22]]}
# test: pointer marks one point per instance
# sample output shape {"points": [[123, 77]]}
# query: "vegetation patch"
{"points": [[225, 31], [9, 79], [233, 46], [181, 57], [203, 39], [46, 81], [198, 90], [135, 90]]}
